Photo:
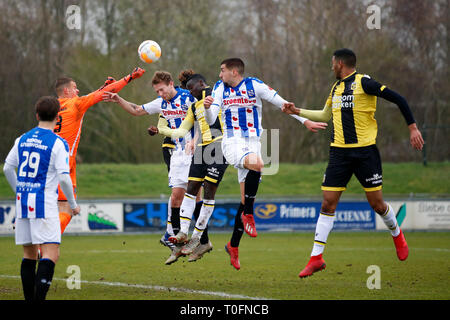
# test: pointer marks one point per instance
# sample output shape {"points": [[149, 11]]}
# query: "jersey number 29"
{"points": [[32, 160]]}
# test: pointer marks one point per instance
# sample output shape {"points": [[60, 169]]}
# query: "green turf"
{"points": [[292, 180], [270, 265]]}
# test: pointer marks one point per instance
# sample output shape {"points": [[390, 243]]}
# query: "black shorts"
{"points": [[208, 163], [364, 162], [167, 153]]}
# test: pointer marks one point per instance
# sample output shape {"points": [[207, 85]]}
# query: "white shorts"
{"points": [[235, 149], [38, 230], [180, 162]]}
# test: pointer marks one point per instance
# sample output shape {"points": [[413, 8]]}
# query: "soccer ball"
{"points": [[149, 51]]}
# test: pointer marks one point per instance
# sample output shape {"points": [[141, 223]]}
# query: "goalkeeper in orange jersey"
{"points": [[70, 121]]}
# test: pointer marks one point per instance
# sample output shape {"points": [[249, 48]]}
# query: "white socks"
{"points": [[186, 210], [169, 228], [203, 219], [326, 221], [323, 228], [390, 221]]}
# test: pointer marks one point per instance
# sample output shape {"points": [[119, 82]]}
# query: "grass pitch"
{"points": [[131, 266]]}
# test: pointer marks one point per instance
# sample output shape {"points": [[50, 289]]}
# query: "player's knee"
{"points": [[193, 187], [253, 162], [176, 202], [259, 166], [379, 207], [51, 252], [328, 206]]}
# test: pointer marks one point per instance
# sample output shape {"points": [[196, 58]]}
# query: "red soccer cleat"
{"points": [[249, 224], [234, 255], [315, 264], [401, 246]]}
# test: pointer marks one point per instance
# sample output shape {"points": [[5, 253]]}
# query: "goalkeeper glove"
{"points": [[136, 73]]}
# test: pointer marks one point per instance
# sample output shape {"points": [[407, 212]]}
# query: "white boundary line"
{"points": [[159, 288]]}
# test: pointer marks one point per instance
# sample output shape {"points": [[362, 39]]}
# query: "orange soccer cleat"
{"points": [[315, 264], [234, 255], [401, 246], [249, 224]]}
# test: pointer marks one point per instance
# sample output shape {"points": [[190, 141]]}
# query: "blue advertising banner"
{"points": [[148, 216], [304, 215], [268, 216], [141, 216]]}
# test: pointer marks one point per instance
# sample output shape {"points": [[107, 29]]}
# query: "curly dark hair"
{"points": [[184, 76]]}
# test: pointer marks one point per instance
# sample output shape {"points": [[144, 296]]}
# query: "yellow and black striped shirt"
{"points": [[352, 104], [353, 101]]}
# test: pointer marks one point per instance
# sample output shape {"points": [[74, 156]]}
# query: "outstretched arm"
{"points": [[273, 97], [114, 87], [163, 127], [315, 115], [129, 107], [183, 129]]}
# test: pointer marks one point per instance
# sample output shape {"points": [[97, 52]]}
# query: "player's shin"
{"points": [[175, 220], [323, 228], [200, 226], [203, 219], [186, 210], [251, 188], [238, 230], [44, 278], [169, 229], [204, 239], [390, 220], [28, 276]]}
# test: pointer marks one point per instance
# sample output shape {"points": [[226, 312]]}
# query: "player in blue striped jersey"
{"points": [[42, 162], [240, 100]]}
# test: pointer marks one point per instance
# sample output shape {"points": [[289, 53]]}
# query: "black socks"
{"points": [[36, 283], [238, 228], [251, 187], [28, 276], [44, 276], [175, 220]]}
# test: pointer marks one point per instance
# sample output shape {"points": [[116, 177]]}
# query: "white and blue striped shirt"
{"points": [[174, 111], [40, 155], [242, 106]]}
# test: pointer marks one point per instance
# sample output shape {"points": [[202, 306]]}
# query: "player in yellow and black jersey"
{"points": [[207, 167], [351, 105]]}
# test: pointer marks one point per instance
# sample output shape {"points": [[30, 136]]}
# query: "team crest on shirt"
{"points": [[353, 86]]}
